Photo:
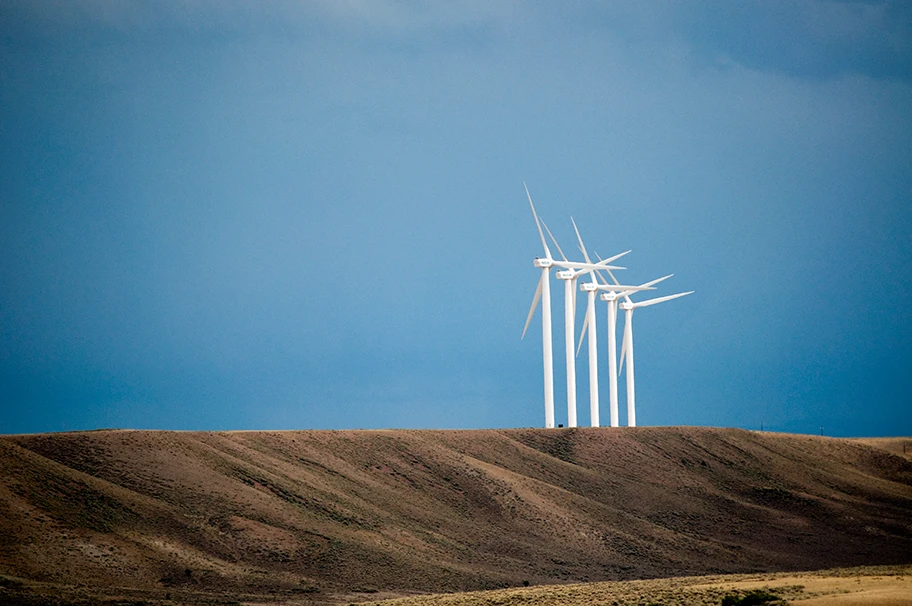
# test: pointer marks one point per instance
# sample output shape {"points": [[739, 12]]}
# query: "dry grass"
{"points": [[897, 446], [863, 586]]}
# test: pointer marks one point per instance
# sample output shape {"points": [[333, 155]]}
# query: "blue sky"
{"points": [[280, 215]]}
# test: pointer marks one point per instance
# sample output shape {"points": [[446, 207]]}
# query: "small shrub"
{"points": [[756, 597], [307, 588], [9, 583]]}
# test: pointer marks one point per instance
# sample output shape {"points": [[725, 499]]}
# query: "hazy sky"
{"points": [[278, 215]]}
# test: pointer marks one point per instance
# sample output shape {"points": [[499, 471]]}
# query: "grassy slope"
{"points": [[403, 511], [898, 446]]}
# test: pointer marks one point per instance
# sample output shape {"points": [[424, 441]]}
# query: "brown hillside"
{"points": [[900, 446], [322, 514]]}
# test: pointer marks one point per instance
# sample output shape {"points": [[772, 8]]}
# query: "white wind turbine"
{"points": [[589, 322], [628, 306], [615, 292], [543, 291], [569, 277]]}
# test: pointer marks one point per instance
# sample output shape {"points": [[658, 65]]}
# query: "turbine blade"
{"points": [[624, 288], [649, 302], [582, 246], [537, 224], [624, 346], [582, 332], [615, 257], [545, 225], [538, 292], [626, 294], [613, 279], [657, 280], [585, 267], [650, 283], [609, 260], [600, 277]]}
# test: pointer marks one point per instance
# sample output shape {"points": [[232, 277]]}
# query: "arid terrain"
{"points": [[859, 586], [341, 516]]}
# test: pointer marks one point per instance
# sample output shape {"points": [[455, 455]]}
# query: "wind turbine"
{"points": [[615, 292], [590, 289], [569, 277], [543, 292], [628, 306]]}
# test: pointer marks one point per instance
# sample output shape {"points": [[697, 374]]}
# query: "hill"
{"points": [[337, 515]]}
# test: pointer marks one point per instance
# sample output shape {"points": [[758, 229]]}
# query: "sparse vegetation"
{"points": [[321, 517], [9, 583], [306, 587]]}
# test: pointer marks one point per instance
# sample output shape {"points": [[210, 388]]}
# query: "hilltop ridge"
{"points": [[328, 514]]}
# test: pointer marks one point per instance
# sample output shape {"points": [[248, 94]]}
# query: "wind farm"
{"points": [[611, 293], [543, 293]]}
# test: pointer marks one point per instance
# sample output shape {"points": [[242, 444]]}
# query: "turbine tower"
{"points": [[590, 288], [543, 292], [589, 322], [569, 277], [613, 294], [627, 348]]}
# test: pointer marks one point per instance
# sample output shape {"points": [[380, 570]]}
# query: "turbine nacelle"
{"points": [[588, 286], [542, 263], [565, 274], [626, 305]]}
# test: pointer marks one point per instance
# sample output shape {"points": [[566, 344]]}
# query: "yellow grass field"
{"points": [[862, 586]]}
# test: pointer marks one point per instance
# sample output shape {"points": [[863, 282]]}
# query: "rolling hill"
{"points": [[332, 516]]}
